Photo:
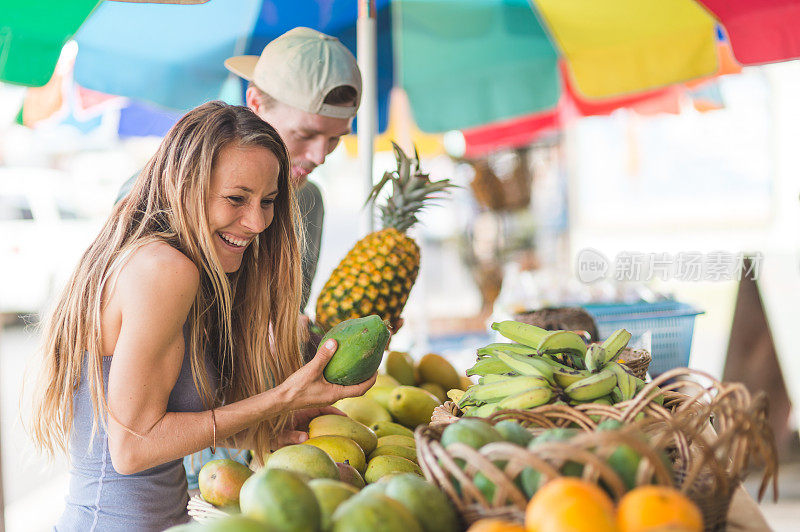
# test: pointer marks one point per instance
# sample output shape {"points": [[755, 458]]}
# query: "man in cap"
{"points": [[307, 85]]}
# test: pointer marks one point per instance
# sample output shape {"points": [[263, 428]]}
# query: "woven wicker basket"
{"points": [[637, 360], [707, 466]]}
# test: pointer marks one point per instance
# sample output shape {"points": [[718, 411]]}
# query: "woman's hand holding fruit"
{"points": [[307, 387]]}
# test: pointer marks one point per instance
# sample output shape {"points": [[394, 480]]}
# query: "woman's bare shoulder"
{"points": [[160, 269]]}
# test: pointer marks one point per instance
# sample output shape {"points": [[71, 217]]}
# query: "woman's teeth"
{"points": [[232, 241]]}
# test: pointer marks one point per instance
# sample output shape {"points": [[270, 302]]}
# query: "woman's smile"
{"points": [[237, 244]]}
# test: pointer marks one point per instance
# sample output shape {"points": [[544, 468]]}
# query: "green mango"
{"points": [[381, 394], [395, 450], [529, 481], [306, 460], [513, 432], [610, 424], [425, 501], [400, 366], [625, 462], [330, 494], [389, 428], [412, 406], [484, 485], [232, 523], [377, 487], [380, 466], [361, 345], [374, 512], [474, 432], [281, 500], [569, 469]]}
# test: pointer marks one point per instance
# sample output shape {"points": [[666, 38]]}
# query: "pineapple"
{"points": [[377, 274]]}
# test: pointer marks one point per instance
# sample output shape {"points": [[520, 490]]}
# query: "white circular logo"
{"points": [[591, 265]]}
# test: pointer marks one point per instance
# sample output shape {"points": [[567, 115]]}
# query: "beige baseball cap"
{"points": [[300, 68]]}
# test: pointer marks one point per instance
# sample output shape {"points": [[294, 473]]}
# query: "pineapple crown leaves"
{"points": [[412, 190]]}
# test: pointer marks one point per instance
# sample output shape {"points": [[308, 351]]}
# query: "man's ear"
{"points": [[253, 99]]}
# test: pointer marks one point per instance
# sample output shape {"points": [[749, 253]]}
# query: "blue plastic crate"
{"points": [[671, 325]]}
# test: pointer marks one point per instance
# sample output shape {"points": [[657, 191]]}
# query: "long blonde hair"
{"points": [[232, 314]]}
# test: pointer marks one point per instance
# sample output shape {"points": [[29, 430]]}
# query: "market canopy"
{"points": [[469, 62], [463, 63], [32, 34], [703, 94]]}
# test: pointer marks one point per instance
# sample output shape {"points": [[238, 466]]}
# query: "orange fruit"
{"points": [[495, 525], [569, 504], [649, 508]]}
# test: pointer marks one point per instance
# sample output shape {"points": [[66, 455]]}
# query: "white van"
{"points": [[42, 236]]}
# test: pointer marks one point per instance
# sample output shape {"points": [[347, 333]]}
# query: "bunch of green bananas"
{"points": [[541, 367]]}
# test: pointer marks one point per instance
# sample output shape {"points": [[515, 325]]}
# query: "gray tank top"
{"points": [[100, 499]]}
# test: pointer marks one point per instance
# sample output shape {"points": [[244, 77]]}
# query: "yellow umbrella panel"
{"points": [[621, 46]]}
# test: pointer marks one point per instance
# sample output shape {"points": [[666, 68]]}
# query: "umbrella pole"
{"points": [[2, 500], [368, 111]]}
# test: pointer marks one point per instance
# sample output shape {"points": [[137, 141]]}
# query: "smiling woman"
{"points": [[178, 330], [241, 203]]}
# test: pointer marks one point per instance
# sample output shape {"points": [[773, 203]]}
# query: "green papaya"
{"points": [[361, 345]]}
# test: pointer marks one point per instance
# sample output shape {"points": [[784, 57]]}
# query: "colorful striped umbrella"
{"points": [[463, 63], [32, 33], [520, 131]]}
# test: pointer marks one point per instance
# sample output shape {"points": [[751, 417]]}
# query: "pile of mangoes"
{"points": [[405, 394], [321, 484]]}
